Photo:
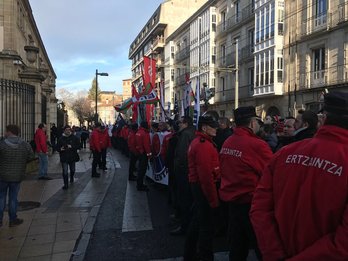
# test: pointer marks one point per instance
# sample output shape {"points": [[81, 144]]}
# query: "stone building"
{"points": [[315, 51], [27, 78], [106, 110], [151, 40], [126, 88]]}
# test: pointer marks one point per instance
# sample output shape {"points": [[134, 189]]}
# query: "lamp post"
{"points": [[96, 92]]}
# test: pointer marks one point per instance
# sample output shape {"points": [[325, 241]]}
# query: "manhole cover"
{"points": [[27, 205]]}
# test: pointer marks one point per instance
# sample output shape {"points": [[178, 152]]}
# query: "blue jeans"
{"points": [[13, 188], [43, 164]]}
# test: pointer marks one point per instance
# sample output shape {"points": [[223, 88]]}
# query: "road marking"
{"points": [[136, 214]]}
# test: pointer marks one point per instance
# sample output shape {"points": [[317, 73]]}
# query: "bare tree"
{"points": [[83, 109]]}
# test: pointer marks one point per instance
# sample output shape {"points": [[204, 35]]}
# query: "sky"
{"points": [[81, 36]]}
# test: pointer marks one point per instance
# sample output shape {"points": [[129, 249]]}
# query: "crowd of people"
{"points": [[279, 187]]}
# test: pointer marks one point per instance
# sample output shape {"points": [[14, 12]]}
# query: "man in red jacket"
{"points": [[300, 207], [95, 143], [105, 143], [143, 147], [242, 159], [42, 151]]}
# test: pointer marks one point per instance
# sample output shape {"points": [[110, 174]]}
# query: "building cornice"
{"points": [[36, 31]]}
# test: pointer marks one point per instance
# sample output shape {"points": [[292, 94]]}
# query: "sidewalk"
{"points": [[50, 231]]}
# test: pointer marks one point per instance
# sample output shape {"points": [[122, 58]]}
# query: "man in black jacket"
{"points": [[184, 198], [67, 147]]}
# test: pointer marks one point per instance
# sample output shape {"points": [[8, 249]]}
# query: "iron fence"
{"points": [[17, 106]]}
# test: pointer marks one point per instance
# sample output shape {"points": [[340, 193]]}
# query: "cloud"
{"points": [[81, 36]]}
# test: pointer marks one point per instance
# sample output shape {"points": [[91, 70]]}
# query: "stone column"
{"points": [[32, 75]]}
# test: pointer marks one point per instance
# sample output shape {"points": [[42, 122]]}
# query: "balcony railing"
{"points": [[246, 52], [332, 76], [246, 14], [182, 54], [158, 43], [180, 80], [343, 12], [325, 21]]}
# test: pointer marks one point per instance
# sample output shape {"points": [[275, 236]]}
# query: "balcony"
{"points": [[343, 13], [158, 43], [180, 80], [246, 53], [247, 14], [324, 21], [182, 54]]}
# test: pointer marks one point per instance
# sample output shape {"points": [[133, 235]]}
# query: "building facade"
{"points": [[315, 50], [126, 88], [106, 110], [151, 39], [27, 78]]}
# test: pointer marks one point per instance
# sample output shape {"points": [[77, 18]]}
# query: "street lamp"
{"points": [[96, 92]]}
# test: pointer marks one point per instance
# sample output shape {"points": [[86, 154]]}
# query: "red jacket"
{"points": [[104, 137], [300, 207], [142, 141], [203, 164], [243, 156], [131, 142], [40, 141], [95, 141]]}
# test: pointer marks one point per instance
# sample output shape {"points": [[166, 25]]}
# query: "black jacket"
{"points": [[68, 154]]}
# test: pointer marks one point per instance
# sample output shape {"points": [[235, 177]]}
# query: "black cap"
{"points": [[208, 120], [336, 103], [97, 124], [244, 113]]}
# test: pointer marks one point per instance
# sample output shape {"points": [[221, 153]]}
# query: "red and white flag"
{"points": [[149, 71]]}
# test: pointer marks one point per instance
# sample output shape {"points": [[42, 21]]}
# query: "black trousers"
{"points": [[103, 159], [143, 163], [241, 233], [83, 143], [96, 161], [132, 163], [200, 234]]}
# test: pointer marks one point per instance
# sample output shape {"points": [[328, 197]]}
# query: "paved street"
{"points": [[95, 219]]}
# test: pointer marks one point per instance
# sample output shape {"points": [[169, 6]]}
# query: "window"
{"points": [[280, 22], [320, 12], [251, 43], [172, 50], [272, 19], [257, 29], [262, 25], [223, 20], [237, 10], [319, 62], [223, 54], [267, 23], [251, 79], [172, 74], [223, 86], [213, 24], [280, 69], [271, 75]]}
